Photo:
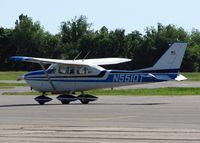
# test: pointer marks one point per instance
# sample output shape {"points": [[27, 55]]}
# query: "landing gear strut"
{"points": [[42, 99]]}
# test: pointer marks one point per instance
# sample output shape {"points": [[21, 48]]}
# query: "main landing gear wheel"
{"points": [[42, 99], [86, 98], [66, 99]]}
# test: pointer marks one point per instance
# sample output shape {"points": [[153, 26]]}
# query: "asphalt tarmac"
{"points": [[143, 119], [113, 119]]}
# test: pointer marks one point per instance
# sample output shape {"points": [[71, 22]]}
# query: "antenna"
{"points": [[77, 55], [86, 55]]}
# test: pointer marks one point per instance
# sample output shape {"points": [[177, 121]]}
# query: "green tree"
{"points": [[29, 39], [6, 47], [134, 44], [156, 41], [191, 60], [71, 34]]}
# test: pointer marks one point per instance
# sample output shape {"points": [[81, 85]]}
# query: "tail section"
{"points": [[167, 67], [172, 58]]}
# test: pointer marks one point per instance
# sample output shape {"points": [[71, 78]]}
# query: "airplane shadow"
{"points": [[133, 104], [75, 104], [26, 105]]}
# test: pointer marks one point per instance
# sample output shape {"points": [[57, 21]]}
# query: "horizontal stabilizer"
{"points": [[160, 77], [180, 77], [167, 77]]}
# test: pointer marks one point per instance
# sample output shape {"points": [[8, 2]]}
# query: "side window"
{"points": [[62, 69], [66, 70], [71, 70], [83, 70], [87, 70]]}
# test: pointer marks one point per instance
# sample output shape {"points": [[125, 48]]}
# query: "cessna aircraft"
{"points": [[66, 77]]}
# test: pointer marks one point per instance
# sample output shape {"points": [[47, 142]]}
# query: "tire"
{"points": [[84, 101]]}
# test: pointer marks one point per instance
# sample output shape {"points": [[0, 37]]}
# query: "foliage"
{"points": [[192, 76], [28, 38]]}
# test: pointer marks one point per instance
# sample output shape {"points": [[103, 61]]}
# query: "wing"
{"points": [[101, 61], [45, 61], [105, 61]]}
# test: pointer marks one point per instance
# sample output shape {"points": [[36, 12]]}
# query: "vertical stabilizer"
{"points": [[172, 58]]}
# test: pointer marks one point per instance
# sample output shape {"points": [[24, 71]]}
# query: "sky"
{"points": [[124, 14]]}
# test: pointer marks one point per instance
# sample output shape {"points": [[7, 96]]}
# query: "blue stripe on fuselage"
{"points": [[38, 72], [112, 77], [147, 71]]}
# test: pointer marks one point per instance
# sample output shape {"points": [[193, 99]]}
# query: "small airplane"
{"points": [[66, 77]]}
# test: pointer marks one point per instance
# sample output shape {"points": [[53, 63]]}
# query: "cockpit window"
{"points": [[52, 69]]}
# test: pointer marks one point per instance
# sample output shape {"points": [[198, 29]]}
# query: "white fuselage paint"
{"points": [[72, 83]]}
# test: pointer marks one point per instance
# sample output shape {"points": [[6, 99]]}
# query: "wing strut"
{"points": [[86, 56], [77, 56], [49, 79]]}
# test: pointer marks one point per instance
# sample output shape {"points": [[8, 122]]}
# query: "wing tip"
{"points": [[19, 58]]}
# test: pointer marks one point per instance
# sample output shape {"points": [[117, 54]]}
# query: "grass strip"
{"points": [[12, 84], [11, 75], [171, 91], [21, 93], [6, 87], [192, 76]]}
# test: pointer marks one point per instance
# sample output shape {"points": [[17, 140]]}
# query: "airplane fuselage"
{"points": [[105, 79]]}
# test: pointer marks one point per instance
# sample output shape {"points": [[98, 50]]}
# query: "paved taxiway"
{"points": [[152, 119]]}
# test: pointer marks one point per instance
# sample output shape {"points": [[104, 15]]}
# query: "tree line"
{"points": [[28, 38]]}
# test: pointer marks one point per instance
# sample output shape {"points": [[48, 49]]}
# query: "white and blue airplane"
{"points": [[66, 77]]}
